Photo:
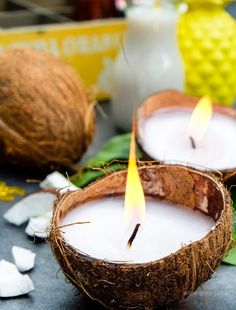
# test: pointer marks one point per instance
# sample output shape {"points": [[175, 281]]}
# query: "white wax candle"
{"points": [[167, 228], [150, 60], [164, 136]]}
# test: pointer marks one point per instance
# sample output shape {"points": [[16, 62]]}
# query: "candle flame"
{"points": [[134, 196], [200, 119]]}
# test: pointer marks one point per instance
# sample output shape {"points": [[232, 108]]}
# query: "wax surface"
{"points": [[164, 137], [167, 228]]}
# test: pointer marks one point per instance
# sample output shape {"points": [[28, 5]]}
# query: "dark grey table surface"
{"points": [[51, 289]]}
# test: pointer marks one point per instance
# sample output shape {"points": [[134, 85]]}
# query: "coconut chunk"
{"points": [[12, 282], [24, 259], [32, 205], [56, 180], [37, 226]]}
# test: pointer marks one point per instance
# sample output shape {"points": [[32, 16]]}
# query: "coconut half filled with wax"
{"points": [[123, 283], [169, 132]]}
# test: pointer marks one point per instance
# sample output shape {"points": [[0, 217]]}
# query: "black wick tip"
{"points": [[131, 239], [193, 144]]}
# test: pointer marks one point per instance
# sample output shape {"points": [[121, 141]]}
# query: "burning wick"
{"points": [[200, 120], [131, 239], [193, 144], [134, 206]]}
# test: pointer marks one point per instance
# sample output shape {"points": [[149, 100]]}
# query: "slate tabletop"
{"points": [[51, 289]]}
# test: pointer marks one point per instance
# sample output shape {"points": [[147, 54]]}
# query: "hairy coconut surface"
{"points": [[46, 115], [175, 100], [161, 282]]}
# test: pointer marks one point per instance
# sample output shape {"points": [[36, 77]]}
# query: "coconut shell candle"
{"points": [[150, 267], [169, 131]]}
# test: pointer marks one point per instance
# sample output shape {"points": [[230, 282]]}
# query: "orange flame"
{"points": [[200, 119], [135, 206]]}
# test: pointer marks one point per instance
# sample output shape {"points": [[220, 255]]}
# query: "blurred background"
{"points": [[88, 34], [33, 12]]}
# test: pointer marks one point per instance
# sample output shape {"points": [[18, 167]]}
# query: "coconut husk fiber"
{"points": [[172, 99], [46, 113], [161, 282]]}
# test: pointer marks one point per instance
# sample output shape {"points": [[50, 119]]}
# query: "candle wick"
{"points": [[131, 239], [193, 144]]}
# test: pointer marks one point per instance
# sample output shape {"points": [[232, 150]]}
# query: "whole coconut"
{"points": [[46, 115]]}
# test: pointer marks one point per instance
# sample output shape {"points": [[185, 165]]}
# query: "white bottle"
{"points": [[149, 61]]}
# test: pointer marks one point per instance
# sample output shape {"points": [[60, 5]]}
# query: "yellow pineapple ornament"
{"points": [[207, 38]]}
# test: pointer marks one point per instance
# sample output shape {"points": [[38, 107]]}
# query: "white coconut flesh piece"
{"points": [[56, 180], [12, 282], [32, 205], [37, 226], [24, 259]]}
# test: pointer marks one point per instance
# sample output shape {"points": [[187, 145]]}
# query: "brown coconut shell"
{"points": [[161, 282], [46, 114], [172, 99]]}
